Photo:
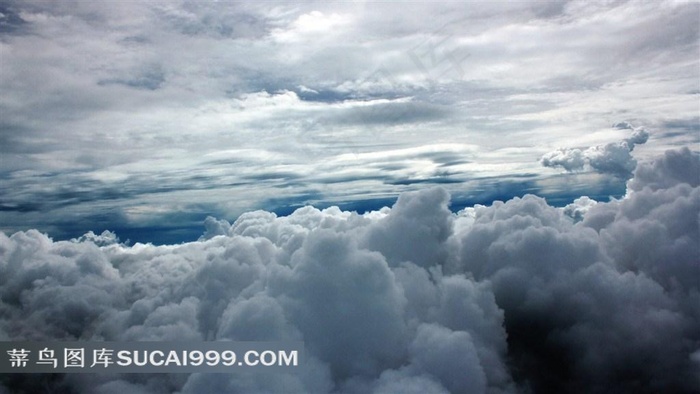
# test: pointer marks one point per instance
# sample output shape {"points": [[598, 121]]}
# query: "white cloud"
{"points": [[510, 297], [577, 209], [311, 26], [569, 159], [613, 158]]}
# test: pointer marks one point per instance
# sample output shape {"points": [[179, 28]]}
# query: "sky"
{"points": [[144, 118], [455, 197]]}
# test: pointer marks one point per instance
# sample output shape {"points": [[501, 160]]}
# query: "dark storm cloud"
{"points": [[510, 297]]}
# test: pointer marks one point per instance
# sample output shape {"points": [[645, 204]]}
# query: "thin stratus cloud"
{"points": [[456, 197], [134, 116]]}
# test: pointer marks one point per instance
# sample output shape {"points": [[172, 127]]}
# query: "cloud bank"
{"points": [[107, 123], [614, 158], [512, 297]]}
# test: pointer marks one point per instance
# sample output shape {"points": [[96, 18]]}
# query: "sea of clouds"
{"points": [[518, 296]]}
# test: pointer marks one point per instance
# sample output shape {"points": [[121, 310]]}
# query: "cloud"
{"points": [[516, 296], [311, 26], [674, 167], [563, 286], [105, 112], [106, 238], [569, 159], [577, 209], [415, 230], [108, 124], [613, 158]]}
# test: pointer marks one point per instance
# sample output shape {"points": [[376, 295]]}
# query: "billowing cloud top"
{"points": [[144, 118], [511, 297], [289, 130], [613, 158]]}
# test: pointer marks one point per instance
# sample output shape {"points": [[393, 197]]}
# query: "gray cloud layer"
{"points": [[511, 297], [142, 110]]}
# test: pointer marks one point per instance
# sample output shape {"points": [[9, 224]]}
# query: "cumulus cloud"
{"points": [[105, 238], [614, 158], [517, 296], [569, 159], [577, 209], [674, 167]]}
